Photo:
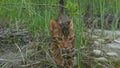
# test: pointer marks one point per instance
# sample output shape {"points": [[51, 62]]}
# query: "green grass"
{"points": [[36, 14]]}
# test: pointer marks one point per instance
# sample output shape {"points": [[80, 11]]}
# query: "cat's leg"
{"points": [[69, 63], [69, 59], [57, 55]]}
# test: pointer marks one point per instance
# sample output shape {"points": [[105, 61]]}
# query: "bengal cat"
{"points": [[63, 39]]}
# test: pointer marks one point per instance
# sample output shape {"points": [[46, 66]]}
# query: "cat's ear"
{"points": [[53, 25], [70, 24]]}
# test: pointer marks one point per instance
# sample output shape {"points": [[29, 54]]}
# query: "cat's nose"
{"points": [[66, 46]]}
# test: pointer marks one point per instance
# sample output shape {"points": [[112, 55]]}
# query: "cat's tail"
{"points": [[61, 6]]}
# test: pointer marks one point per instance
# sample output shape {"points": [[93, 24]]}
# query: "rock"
{"points": [[114, 45], [112, 54], [97, 52], [95, 36], [117, 40], [100, 59], [107, 33], [96, 43], [101, 40]]}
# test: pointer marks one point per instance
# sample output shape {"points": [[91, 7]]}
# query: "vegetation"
{"points": [[35, 15]]}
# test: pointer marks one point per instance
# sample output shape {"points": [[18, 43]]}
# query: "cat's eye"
{"points": [[71, 38], [59, 39]]}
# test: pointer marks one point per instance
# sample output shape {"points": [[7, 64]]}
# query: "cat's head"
{"points": [[62, 34]]}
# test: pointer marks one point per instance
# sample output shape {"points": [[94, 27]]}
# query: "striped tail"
{"points": [[61, 7]]}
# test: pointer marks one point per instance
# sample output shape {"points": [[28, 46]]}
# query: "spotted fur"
{"points": [[63, 39]]}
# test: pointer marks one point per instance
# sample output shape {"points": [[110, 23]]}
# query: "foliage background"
{"points": [[36, 14]]}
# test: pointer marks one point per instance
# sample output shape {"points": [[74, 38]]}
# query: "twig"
{"points": [[8, 60], [27, 65], [7, 4], [20, 53], [27, 4]]}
